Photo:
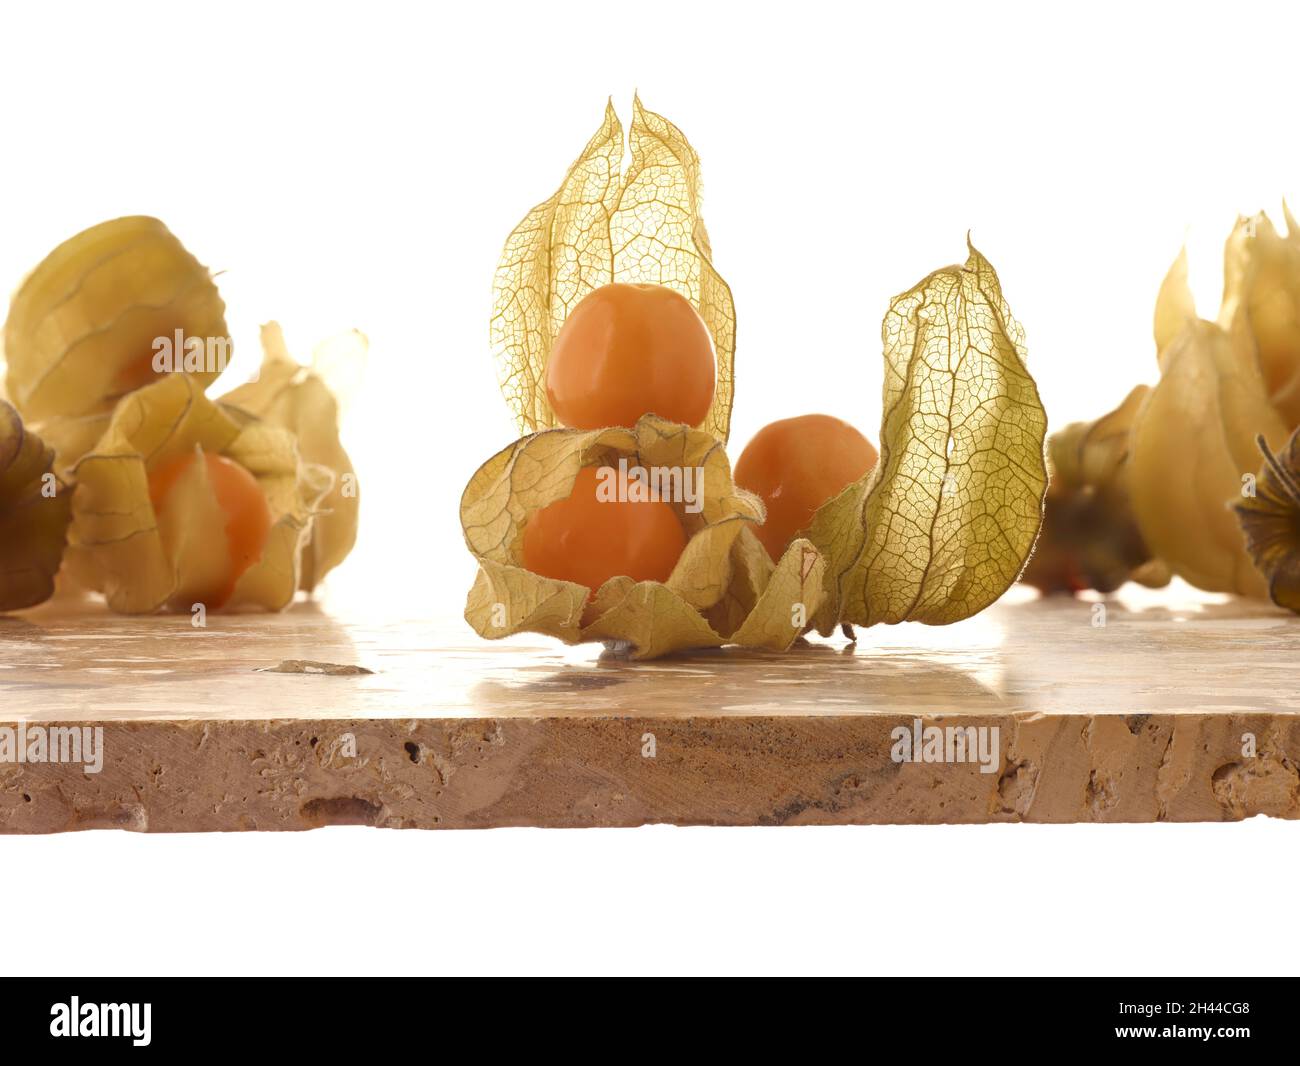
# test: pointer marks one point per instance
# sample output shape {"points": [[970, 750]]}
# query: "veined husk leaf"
{"points": [[82, 328], [603, 226], [945, 522], [35, 509], [694, 608], [1193, 441], [296, 397], [935, 533], [115, 543]]}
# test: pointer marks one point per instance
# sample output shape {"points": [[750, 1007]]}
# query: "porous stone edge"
{"points": [[432, 773]]}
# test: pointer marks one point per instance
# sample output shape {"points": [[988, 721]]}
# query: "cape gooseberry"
{"points": [[193, 495], [796, 465], [629, 350], [587, 540]]}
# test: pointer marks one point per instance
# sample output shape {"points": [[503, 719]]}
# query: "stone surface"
{"points": [[1176, 710]]}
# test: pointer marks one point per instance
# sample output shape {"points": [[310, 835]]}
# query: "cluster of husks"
{"points": [[934, 534], [1171, 482], [111, 344]]}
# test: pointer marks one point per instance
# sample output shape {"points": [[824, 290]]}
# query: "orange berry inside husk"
{"points": [[242, 512], [630, 350], [588, 539], [795, 465]]}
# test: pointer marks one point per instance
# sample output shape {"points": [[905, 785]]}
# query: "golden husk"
{"points": [[83, 328], [115, 546], [295, 397], [686, 611], [35, 508]]}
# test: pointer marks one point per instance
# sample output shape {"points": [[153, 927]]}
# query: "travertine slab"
{"points": [[1186, 711]]}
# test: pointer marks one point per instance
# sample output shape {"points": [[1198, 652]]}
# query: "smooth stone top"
{"points": [[1156, 653]]}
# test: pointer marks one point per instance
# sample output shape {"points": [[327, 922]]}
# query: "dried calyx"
{"points": [[1090, 537], [299, 399], [119, 545], [1270, 521], [34, 515]]}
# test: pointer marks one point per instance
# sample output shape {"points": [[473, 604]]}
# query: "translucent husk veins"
{"points": [[604, 225], [936, 533], [944, 524]]}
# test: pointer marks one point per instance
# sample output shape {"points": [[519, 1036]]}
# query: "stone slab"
{"points": [[1175, 710]]}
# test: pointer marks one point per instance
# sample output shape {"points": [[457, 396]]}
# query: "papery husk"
{"points": [[1175, 306], [82, 326], [115, 545], [945, 522], [935, 533], [1261, 298], [296, 397], [1193, 442], [1090, 537], [1270, 522], [603, 226], [73, 436], [694, 608], [35, 509]]}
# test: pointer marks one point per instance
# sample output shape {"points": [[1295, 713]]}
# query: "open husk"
{"points": [[715, 595], [115, 545], [296, 397], [603, 225], [1270, 522], [934, 534]]}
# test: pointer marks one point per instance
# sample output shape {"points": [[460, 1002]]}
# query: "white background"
{"points": [[361, 166]]}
